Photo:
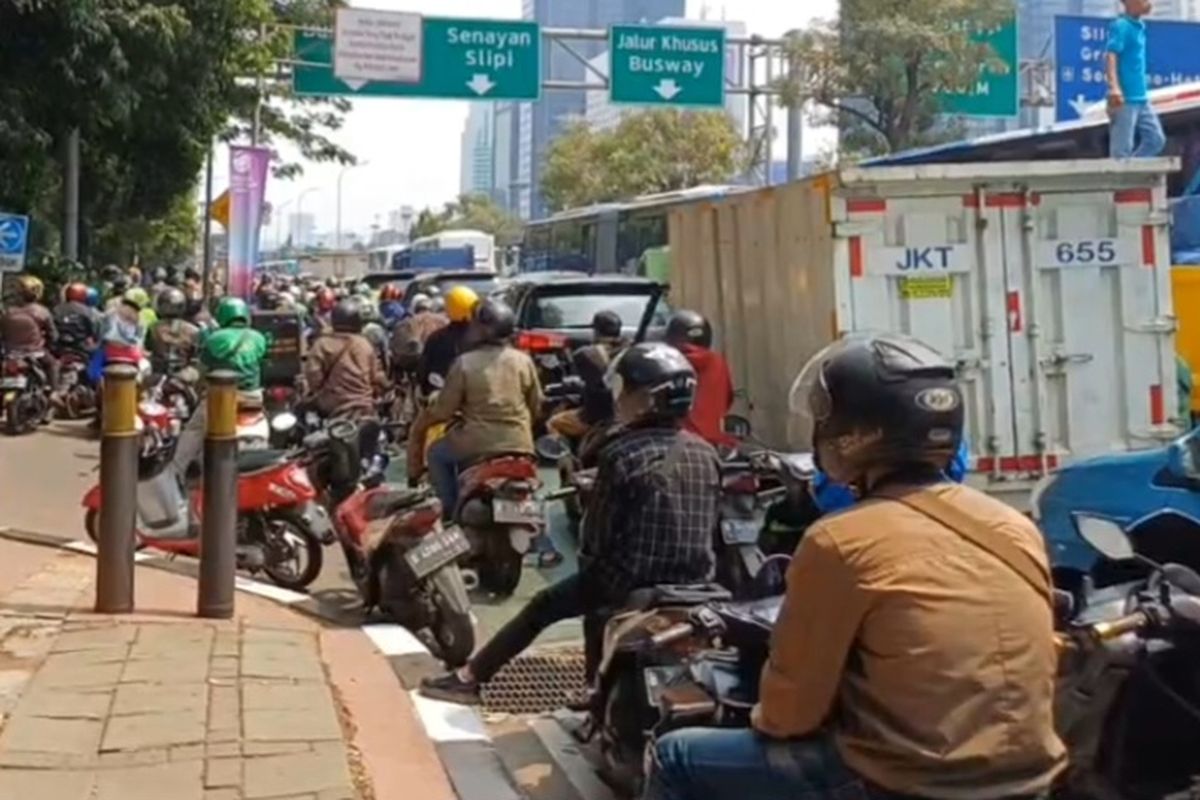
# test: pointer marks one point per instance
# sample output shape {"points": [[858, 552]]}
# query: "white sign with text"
{"points": [[372, 45]]}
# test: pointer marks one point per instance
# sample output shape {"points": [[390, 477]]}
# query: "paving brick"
{"points": [[222, 794], [265, 696], [29, 734], [162, 670], [223, 750], [139, 731], [308, 725], [93, 638], [273, 776], [148, 698], [273, 748], [133, 758], [77, 676], [281, 662], [222, 773], [177, 781], [222, 735], [224, 667], [97, 655], [16, 759], [345, 793], [256, 636], [189, 752], [20, 784], [224, 707], [67, 704]]}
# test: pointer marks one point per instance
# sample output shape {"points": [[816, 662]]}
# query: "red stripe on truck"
{"points": [[1016, 463], [1158, 408], [1149, 250], [856, 257], [866, 206], [1004, 200], [1133, 196]]}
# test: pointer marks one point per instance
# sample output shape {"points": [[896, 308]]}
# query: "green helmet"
{"points": [[231, 310]]}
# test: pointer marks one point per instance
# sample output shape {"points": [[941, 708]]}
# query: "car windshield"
{"points": [[561, 311]]}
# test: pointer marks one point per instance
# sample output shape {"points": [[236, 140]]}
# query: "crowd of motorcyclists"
{"points": [[914, 654]]}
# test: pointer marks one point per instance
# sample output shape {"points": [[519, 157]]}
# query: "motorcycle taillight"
{"points": [[740, 484], [13, 367]]}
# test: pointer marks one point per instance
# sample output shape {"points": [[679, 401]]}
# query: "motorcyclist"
{"points": [[391, 307], [412, 332], [28, 327], [914, 654], [446, 344], [117, 288], [342, 371], [172, 342], [649, 520], [692, 335], [322, 312], [494, 389], [160, 283], [77, 322], [141, 298], [236, 347], [591, 363]]}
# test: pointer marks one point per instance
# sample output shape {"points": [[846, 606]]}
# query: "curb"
{"points": [[458, 733]]}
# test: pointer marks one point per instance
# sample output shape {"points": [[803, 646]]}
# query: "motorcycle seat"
{"points": [[676, 595], [750, 621], [254, 460], [391, 499]]}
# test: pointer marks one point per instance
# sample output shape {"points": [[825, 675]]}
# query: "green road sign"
{"points": [[996, 94], [462, 59], [667, 65]]}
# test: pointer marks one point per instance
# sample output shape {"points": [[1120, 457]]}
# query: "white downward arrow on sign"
{"points": [[1081, 104], [667, 89], [481, 84], [354, 83]]}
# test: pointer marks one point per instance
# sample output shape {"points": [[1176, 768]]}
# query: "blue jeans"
{"points": [[1135, 132], [741, 764], [443, 474]]}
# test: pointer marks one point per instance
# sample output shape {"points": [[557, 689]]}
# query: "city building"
{"points": [[538, 123], [505, 155], [302, 229], [401, 220], [601, 114], [478, 156]]}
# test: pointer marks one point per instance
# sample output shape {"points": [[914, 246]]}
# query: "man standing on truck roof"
{"points": [[1134, 130]]}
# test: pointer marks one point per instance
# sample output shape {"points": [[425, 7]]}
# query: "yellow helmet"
{"points": [[460, 303], [30, 288]]}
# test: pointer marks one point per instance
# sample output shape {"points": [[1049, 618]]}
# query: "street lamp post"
{"points": [[279, 223], [341, 175], [300, 204]]}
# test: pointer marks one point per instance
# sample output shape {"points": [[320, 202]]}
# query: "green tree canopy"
{"points": [[471, 211], [876, 72], [652, 151]]}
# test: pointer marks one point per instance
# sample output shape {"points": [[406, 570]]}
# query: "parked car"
{"points": [[377, 280], [554, 313], [1153, 495], [483, 283]]}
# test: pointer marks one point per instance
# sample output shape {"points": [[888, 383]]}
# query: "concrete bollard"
{"points": [[120, 445], [218, 533]]}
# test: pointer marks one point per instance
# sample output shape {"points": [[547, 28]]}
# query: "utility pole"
{"points": [[795, 118], [206, 248], [338, 235], [71, 195]]}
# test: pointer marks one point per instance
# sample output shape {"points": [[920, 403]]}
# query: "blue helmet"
{"points": [[830, 496], [92, 298]]}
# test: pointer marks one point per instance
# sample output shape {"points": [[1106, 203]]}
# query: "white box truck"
{"points": [[1047, 283]]}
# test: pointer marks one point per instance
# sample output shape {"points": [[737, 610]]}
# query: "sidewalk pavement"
{"points": [[161, 704]]}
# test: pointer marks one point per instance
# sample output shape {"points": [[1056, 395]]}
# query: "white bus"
{"points": [[484, 245], [380, 258]]}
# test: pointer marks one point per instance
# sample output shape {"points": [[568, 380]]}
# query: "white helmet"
{"points": [[421, 302]]}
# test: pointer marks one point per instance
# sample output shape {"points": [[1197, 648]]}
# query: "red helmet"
{"points": [[326, 299], [390, 293], [77, 293]]}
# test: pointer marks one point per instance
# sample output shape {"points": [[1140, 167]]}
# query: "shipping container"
{"points": [[1048, 284]]}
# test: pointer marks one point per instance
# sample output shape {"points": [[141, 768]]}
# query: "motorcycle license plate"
{"points": [[14, 382], [740, 531], [436, 551], [656, 679], [517, 512]]}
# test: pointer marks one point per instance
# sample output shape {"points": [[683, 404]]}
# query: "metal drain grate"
{"points": [[536, 682]]}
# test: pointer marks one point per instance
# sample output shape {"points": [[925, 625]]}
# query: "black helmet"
{"points": [[607, 325], [689, 327], [191, 274], [268, 299], [876, 400], [495, 319], [120, 284], [171, 304], [659, 370], [348, 316]]}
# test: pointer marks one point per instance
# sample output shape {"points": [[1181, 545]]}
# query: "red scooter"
{"points": [[500, 514], [281, 530]]}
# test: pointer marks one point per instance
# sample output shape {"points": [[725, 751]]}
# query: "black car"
{"points": [[441, 281], [377, 280], [554, 313]]}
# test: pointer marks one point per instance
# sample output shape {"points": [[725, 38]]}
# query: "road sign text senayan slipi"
{"points": [[667, 65], [462, 59]]}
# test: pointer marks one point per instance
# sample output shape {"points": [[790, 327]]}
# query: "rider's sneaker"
{"points": [[452, 689]]}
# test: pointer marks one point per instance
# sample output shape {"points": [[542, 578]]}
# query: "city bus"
{"points": [[484, 245], [607, 237], [380, 259]]}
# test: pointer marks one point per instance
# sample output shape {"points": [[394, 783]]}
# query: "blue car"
{"points": [[1154, 495]]}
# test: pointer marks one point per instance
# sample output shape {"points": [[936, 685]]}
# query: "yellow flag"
{"points": [[220, 209]]}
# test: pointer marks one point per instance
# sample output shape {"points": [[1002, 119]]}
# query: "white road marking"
{"points": [[278, 593], [449, 722], [89, 548], [394, 640]]}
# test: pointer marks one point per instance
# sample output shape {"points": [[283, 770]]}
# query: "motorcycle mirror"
{"points": [[737, 426], [1184, 578], [282, 423], [550, 448], [1106, 536], [436, 380]]}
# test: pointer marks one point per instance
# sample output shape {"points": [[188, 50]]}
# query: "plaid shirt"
{"points": [[653, 512]]}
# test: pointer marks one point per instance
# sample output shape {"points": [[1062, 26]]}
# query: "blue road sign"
{"points": [[14, 238], [1171, 57]]}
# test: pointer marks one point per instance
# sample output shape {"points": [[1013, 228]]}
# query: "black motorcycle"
{"points": [[25, 393]]}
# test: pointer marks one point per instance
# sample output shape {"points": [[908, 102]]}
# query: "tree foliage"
{"points": [[652, 151], [877, 71], [471, 211]]}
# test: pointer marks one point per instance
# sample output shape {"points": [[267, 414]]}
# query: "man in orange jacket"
{"points": [[690, 333]]}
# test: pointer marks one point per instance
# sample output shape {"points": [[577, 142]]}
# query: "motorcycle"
{"points": [[500, 515], [24, 393], [281, 530], [403, 561], [75, 396]]}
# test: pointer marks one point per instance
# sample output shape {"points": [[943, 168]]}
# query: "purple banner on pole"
{"points": [[247, 188]]}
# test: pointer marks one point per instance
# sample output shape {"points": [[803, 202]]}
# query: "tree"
{"points": [[877, 71], [652, 151], [471, 211]]}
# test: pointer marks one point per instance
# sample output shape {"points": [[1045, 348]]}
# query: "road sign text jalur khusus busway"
{"points": [[667, 65], [461, 59]]}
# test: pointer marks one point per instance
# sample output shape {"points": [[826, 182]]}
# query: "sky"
{"points": [[409, 149]]}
